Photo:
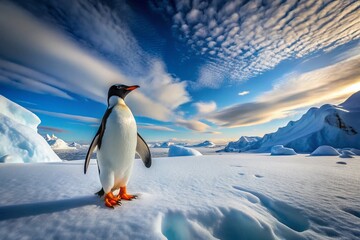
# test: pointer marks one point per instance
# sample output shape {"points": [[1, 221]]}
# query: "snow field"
{"points": [[242, 196]]}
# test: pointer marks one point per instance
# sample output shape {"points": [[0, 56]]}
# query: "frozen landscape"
{"points": [[242, 196]]}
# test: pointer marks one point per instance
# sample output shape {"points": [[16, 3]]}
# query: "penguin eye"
{"points": [[118, 86]]}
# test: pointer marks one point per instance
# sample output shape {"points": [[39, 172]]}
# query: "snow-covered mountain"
{"points": [[57, 143], [206, 143], [242, 144], [19, 139], [334, 125], [163, 145]]}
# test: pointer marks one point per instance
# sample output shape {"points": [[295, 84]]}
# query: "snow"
{"points": [[206, 143], [19, 139], [325, 151], [241, 144], [281, 150], [242, 196], [347, 154], [337, 126], [175, 151], [57, 143], [17, 113], [163, 145]]}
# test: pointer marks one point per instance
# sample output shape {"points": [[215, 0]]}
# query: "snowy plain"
{"points": [[232, 196]]}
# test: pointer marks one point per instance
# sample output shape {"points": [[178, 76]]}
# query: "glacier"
{"points": [[176, 151]]}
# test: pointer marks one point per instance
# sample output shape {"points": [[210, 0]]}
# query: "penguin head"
{"points": [[120, 90]]}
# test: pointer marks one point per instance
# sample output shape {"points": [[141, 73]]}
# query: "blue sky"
{"points": [[207, 69]]}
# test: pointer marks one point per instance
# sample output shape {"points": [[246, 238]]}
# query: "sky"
{"points": [[207, 70]]}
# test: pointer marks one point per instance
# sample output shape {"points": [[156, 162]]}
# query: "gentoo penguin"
{"points": [[117, 140]]}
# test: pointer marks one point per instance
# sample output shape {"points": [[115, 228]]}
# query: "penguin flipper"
{"points": [[143, 150], [92, 147], [97, 139]]}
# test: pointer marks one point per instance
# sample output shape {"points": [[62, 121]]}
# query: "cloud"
{"points": [[49, 62], [194, 125], [247, 38], [295, 91], [155, 127], [205, 107], [243, 93], [68, 116], [51, 129]]}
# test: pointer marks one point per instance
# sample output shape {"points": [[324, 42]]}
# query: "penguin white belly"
{"points": [[118, 145]]}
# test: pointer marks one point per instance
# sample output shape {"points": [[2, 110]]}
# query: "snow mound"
{"points": [[346, 154], [325, 151], [19, 139], [175, 151], [206, 143], [281, 150]]}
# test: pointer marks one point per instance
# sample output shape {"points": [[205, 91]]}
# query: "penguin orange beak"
{"points": [[132, 87]]}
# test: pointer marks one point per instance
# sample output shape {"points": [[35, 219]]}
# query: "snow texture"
{"points": [[19, 139], [325, 151], [242, 196], [347, 154], [176, 151], [163, 145], [281, 150], [337, 126]]}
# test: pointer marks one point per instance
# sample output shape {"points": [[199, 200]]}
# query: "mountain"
{"points": [[206, 143], [19, 139], [334, 125], [242, 144], [163, 145], [57, 143]]}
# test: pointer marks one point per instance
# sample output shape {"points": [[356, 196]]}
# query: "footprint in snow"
{"points": [[286, 214], [258, 176]]}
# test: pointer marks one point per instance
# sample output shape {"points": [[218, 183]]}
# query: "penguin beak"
{"points": [[132, 88]]}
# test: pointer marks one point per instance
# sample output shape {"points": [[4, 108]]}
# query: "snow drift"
{"points": [[175, 151], [19, 139], [325, 151], [281, 150]]}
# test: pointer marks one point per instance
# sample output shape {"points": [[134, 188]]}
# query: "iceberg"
{"points": [[19, 139], [176, 150]]}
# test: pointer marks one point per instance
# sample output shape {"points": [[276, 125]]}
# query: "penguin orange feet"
{"points": [[123, 194], [111, 200]]}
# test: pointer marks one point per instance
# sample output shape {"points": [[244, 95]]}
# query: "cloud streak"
{"points": [[333, 83], [49, 62], [78, 118]]}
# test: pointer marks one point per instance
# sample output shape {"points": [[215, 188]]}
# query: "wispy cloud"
{"points": [[205, 107], [247, 38], [63, 67], [295, 91], [51, 129], [243, 93], [155, 127], [68, 116], [194, 125]]}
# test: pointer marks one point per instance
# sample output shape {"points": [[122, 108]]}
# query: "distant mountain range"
{"points": [[334, 125]]}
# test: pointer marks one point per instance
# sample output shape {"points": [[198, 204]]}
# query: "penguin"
{"points": [[117, 140]]}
